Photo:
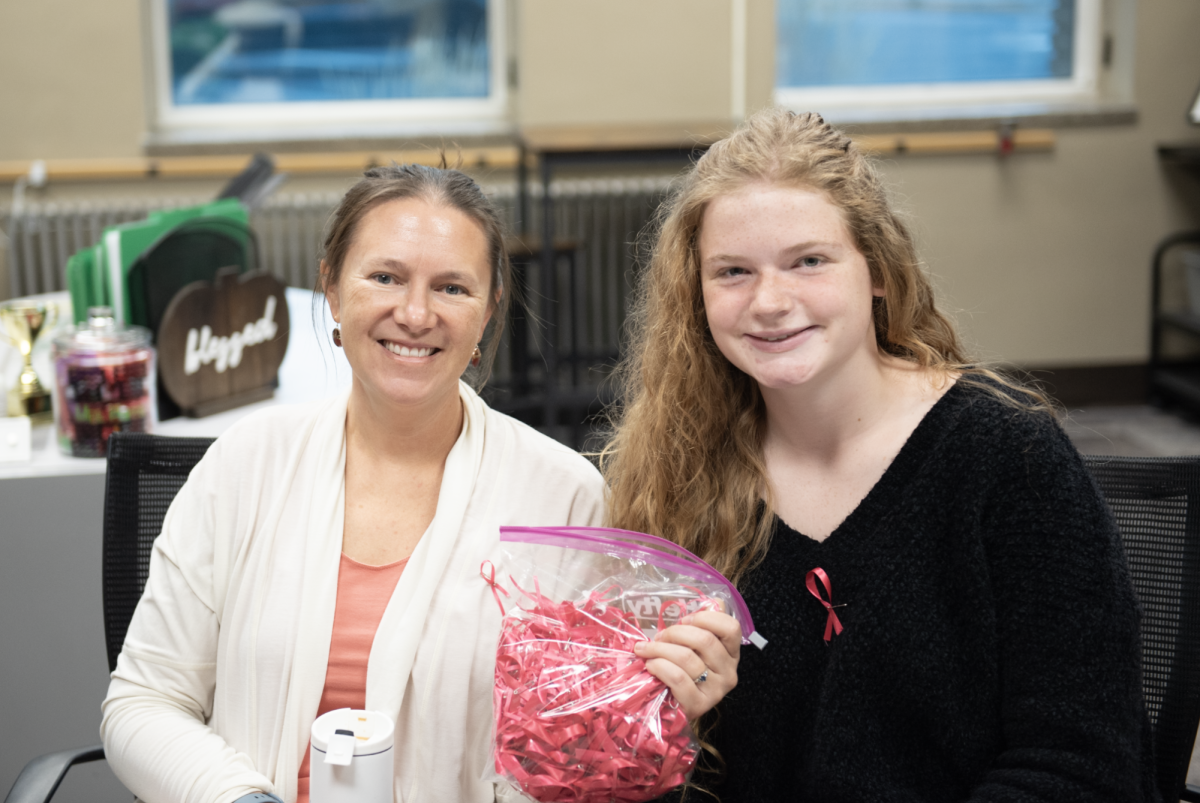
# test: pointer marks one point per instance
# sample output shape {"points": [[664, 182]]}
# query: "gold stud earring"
{"points": [[476, 357], [337, 337]]}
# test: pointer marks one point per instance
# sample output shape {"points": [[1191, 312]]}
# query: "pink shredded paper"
{"points": [[578, 717]]}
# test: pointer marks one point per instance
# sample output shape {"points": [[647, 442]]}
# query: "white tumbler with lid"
{"points": [[350, 758]]}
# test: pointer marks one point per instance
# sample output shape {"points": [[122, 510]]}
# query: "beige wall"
{"points": [[1044, 258], [70, 79], [638, 61], [582, 61]]}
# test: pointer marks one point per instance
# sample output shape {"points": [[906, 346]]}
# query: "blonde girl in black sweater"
{"points": [[948, 609]]}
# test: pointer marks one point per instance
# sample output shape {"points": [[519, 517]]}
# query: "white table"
{"points": [[312, 369], [52, 656]]}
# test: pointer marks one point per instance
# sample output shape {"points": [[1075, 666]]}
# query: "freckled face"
{"points": [[787, 294], [412, 301]]}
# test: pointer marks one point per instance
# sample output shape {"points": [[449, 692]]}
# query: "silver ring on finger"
{"points": [[703, 676]]}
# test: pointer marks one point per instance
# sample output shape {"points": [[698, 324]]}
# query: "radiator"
{"points": [[601, 218]]}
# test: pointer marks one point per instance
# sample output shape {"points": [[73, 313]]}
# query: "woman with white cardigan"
{"points": [[328, 555]]}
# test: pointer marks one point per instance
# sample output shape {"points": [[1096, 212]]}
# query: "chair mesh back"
{"points": [[1155, 503], [144, 474]]}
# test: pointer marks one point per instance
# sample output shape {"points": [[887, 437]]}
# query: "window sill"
{"points": [[881, 119], [355, 137]]}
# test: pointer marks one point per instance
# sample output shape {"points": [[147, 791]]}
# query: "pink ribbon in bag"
{"points": [[578, 717]]}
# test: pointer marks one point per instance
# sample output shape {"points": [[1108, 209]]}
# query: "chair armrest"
{"points": [[1190, 793], [39, 779]]}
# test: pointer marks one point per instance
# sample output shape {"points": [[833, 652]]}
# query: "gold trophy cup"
{"points": [[23, 321]]}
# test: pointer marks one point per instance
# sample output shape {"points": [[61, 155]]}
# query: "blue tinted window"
{"points": [[864, 42], [270, 51]]}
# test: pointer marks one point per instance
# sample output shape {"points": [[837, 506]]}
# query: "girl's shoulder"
{"points": [[984, 403], [992, 429]]}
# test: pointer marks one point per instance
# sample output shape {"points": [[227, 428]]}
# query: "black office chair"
{"points": [[144, 474], [1156, 502]]}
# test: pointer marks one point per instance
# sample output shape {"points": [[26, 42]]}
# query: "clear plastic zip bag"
{"points": [[578, 719]]}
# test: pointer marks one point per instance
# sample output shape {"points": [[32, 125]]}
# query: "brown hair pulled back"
{"points": [[685, 459], [439, 186]]}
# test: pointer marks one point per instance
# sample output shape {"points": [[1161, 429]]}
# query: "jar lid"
{"points": [[102, 333]]}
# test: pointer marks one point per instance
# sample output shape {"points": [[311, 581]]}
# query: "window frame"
{"points": [[312, 119], [936, 100]]}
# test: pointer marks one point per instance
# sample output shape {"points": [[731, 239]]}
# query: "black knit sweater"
{"points": [[990, 650]]}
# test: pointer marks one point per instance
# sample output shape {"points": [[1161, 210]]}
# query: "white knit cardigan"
{"points": [[224, 662]]}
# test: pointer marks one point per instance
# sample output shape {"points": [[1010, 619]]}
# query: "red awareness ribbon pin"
{"points": [[832, 623]]}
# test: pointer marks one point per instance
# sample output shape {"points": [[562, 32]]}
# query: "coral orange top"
{"points": [[362, 596]]}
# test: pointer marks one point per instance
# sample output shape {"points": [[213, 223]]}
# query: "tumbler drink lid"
{"points": [[373, 731]]}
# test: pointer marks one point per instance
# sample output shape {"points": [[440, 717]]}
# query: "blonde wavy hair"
{"points": [[685, 457]]}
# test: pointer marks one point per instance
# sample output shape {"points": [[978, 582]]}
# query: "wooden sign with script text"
{"points": [[220, 345]]}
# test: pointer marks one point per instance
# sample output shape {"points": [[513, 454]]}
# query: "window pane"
{"points": [[270, 51], [863, 42]]}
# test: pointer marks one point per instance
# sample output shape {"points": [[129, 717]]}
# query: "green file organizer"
{"points": [[137, 267]]}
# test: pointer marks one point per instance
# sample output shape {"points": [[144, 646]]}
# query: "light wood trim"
{"points": [[952, 142], [228, 166], [623, 137], [614, 138], [558, 139]]}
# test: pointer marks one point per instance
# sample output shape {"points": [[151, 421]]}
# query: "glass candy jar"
{"points": [[105, 374]]}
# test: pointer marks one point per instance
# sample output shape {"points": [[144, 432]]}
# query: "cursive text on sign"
{"points": [[202, 348]]}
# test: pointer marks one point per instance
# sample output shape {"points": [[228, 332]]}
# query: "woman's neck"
{"points": [[390, 433]]}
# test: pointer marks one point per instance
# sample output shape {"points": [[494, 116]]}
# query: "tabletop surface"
{"points": [[312, 369]]}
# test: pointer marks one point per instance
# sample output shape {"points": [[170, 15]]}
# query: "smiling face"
{"points": [[412, 301], [787, 294]]}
